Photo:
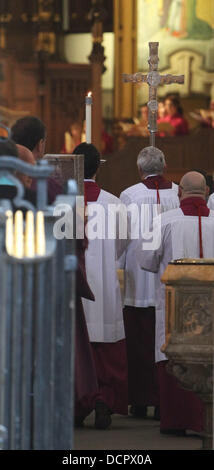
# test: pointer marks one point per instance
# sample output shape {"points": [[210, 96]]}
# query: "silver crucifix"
{"points": [[153, 78]]}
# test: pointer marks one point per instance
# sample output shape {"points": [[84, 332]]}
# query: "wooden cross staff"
{"points": [[153, 78]]}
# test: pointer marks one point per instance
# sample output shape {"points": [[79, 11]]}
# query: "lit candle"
{"points": [[18, 235], [29, 235], [88, 102], [9, 233], [40, 234]]}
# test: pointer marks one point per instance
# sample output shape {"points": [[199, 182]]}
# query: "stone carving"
{"points": [[196, 318], [189, 336], [201, 381]]}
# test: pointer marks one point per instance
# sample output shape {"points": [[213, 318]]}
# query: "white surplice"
{"points": [[104, 317], [179, 239], [139, 285], [210, 202]]}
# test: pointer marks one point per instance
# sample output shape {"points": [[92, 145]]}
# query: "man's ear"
{"points": [[179, 192]]}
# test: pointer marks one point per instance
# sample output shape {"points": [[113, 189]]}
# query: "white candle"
{"points": [[88, 102]]}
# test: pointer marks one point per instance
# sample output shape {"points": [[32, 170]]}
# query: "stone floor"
{"points": [[127, 433]]}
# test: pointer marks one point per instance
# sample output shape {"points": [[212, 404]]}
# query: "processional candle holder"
{"points": [[189, 343]]}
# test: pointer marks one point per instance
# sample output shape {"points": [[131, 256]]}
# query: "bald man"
{"points": [[186, 232]]}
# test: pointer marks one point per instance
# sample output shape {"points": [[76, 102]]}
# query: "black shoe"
{"points": [[102, 416], [138, 411], [79, 422], [174, 432]]}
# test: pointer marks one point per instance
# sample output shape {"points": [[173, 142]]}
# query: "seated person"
{"points": [[140, 128], [72, 138], [177, 124], [204, 116], [161, 109]]}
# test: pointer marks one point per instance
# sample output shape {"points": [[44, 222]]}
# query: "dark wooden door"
{"points": [[64, 102]]}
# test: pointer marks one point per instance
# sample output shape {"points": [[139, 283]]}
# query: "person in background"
{"points": [[107, 144], [161, 109], [30, 132], [177, 124], [73, 137], [8, 189], [26, 156]]}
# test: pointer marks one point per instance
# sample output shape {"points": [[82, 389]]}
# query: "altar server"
{"points": [[104, 317], [139, 297], [186, 232]]}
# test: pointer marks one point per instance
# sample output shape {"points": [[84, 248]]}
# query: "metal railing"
{"points": [[37, 322]]}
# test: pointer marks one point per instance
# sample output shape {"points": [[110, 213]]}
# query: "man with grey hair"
{"points": [[139, 285], [186, 232]]}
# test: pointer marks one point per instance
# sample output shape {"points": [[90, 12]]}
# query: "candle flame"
{"points": [[89, 94]]}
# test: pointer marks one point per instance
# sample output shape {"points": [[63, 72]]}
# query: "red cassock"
{"points": [[181, 409], [85, 373], [110, 358]]}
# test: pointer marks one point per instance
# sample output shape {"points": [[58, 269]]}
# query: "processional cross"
{"points": [[153, 79]]}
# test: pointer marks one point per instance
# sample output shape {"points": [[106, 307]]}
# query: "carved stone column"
{"points": [[189, 331]]}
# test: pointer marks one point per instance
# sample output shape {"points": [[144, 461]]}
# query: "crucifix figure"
{"points": [[153, 79]]}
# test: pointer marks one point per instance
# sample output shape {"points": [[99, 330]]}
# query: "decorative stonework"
{"points": [[189, 331], [195, 311]]}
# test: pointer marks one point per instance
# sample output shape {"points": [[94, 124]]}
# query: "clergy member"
{"points": [[186, 232], [104, 317], [139, 296]]}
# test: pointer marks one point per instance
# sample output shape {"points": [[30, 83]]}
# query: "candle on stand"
{"points": [[88, 102]]}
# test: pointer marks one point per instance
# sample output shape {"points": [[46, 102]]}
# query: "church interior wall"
{"points": [[186, 36], [77, 48]]}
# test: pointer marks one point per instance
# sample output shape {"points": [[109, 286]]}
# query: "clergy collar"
{"points": [[87, 180], [149, 176]]}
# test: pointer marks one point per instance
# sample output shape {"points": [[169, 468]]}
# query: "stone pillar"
{"points": [[189, 331], [125, 30], [97, 59]]}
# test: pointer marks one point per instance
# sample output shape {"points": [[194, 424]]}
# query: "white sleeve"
{"points": [[150, 259], [210, 203]]}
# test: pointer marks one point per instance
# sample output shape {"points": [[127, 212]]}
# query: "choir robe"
{"points": [[179, 409], [104, 317], [139, 298], [210, 202]]}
